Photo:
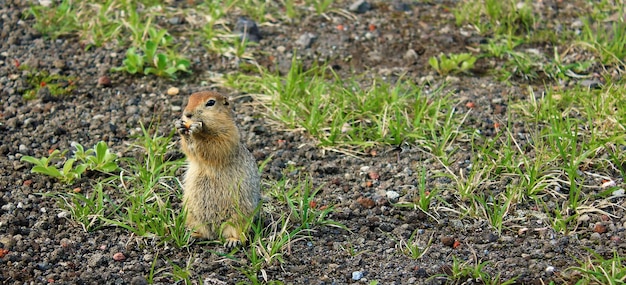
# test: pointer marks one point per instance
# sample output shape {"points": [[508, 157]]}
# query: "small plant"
{"points": [[56, 84], [452, 63], [413, 248], [150, 61], [321, 6], [600, 270], [97, 159], [66, 174], [85, 209], [382, 113], [300, 199], [55, 21], [152, 193], [463, 270]]}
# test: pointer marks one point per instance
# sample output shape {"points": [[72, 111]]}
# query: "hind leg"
{"points": [[200, 230], [232, 235]]}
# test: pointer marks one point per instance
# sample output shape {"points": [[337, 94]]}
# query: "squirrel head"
{"points": [[213, 110]]}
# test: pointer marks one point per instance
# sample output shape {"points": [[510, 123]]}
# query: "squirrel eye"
{"points": [[210, 103]]}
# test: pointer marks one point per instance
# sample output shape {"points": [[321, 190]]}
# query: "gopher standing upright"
{"points": [[221, 186]]}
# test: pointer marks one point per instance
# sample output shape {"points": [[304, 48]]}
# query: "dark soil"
{"points": [[44, 246]]}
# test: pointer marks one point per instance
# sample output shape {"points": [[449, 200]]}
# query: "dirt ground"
{"points": [[44, 246]]}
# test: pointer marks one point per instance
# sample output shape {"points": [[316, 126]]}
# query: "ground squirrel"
{"points": [[221, 187]]}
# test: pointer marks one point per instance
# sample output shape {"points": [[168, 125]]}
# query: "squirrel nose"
{"points": [[188, 115]]}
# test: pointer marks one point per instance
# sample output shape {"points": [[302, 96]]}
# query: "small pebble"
{"points": [[591, 83], [392, 195], [306, 40], [599, 228], [104, 81], [357, 275], [366, 202], [172, 91], [447, 241], [248, 29], [23, 149], [373, 175], [584, 218], [360, 6], [60, 64], [119, 257], [595, 237]]}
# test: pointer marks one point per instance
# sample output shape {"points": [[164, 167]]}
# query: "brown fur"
{"points": [[221, 185]]}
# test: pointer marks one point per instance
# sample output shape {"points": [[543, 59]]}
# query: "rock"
{"points": [[23, 149], [400, 6], [599, 228], [457, 224], [173, 91], [357, 275], [248, 30], [584, 218], [175, 20], [373, 175], [411, 55], [392, 195], [96, 260], [63, 214], [139, 280], [306, 40], [360, 6], [8, 207], [591, 83], [618, 193], [104, 81], [119, 256], [366, 202], [7, 242], [447, 241], [60, 64], [66, 243], [45, 95], [45, 3], [595, 237]]}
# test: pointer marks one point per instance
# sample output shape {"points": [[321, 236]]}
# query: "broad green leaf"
{"points": [[67, 167], [43, 162], [80, 169], [101, 151], [161, 62], [50, 171], [150, 50]]}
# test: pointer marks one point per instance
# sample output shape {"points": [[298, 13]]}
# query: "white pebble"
{"points": [[357, 275], [392, 195]]}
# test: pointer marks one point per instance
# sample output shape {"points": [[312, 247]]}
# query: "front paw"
{"points": [[181, 128], [195, 127]]}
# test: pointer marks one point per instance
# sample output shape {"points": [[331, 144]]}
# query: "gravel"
{"points": [[40, 244]]}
